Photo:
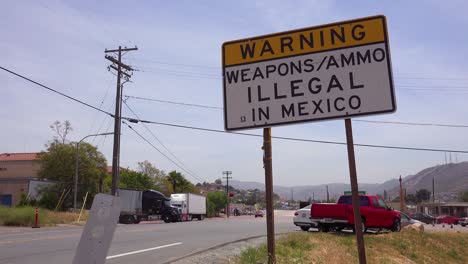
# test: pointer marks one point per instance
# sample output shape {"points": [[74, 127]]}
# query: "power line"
{"points": [[55, 91], [435, 78], [217, 67], [100, 107], [157, 139], [222, 131], [177, 64], [410, 123], [357, 120], [181, 74], [173, 102], [148, 69], [151, 144], [295, 139]]}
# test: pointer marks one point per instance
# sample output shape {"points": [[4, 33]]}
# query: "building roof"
{"points": [[18, 156], [109, 169]]}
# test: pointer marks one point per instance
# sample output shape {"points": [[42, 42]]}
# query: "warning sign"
{"points": [[332, 71]]}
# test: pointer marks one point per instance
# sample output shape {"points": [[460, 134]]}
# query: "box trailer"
{"points": [[191, 205]]}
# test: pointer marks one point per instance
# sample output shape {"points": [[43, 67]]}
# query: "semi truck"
{"points": [[191, 205], [145, 205], [374, 214]]}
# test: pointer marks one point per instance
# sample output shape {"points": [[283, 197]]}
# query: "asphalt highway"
{"points": [[147, 242]]}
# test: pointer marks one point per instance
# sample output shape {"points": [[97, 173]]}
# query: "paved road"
{"points": [[150, 242]]}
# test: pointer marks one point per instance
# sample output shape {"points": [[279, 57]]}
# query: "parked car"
{"points": [[463, 221], [374, 212], [425, 218], [302, 218], [258, 213], [447, 219], [407, 220]]}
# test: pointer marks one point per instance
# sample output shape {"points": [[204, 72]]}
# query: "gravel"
{"points": [[222, 255]]}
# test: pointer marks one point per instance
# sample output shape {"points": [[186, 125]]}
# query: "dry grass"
{"points": [[405, 247], [25, 216]]}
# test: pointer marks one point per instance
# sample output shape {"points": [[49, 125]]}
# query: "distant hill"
{"points": [[317, 191], [450, 180]]}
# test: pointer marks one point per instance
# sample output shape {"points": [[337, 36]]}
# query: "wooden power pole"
{"points": [[122, 70], [268, 165], [227, 177]]}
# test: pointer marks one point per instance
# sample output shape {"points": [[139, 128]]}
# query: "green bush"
{"points": [[20, 216]]}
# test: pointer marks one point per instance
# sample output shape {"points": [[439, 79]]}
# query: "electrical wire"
{"points": [[410, 123], [357, 120], [177, 64], [173, 102], [55, 91], [100, 107], [222, 131], [160, 152], [295, 139], [160, 142]]}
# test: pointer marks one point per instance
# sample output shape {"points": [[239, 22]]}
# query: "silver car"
{"points": [[302, 218], [463, 221], [406, 220]]}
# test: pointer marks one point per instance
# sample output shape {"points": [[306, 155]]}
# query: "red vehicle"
{"points": [[258, 213], [374, 212], [447, 219]]}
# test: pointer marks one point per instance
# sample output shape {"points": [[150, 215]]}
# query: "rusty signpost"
{"points": [[334, 71]]}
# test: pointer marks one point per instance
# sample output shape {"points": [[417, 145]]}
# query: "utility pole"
{"points": [[268, 166], [402, 198], [433, 191], [313, 197], [227, 177], [328, 195], [122, 70]]}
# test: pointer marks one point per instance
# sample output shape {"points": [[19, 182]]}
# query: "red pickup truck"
{"points": [[374, 212]]}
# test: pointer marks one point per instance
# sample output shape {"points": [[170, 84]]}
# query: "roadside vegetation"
{"points": [[403, 247], [25, 216]]}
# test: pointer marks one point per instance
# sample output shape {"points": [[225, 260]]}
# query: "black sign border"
{"points": [[389, 67]]}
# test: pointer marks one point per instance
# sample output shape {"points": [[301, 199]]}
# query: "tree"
{"points": [[61, 130], [180, 184], [423, 195], [218, 181], [464, 196], [411, 198], [149, 169], [135, 180], [58, 164], [158, 176], [215, 202]]}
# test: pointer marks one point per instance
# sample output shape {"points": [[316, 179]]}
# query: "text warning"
{"points": [[326, 72]]}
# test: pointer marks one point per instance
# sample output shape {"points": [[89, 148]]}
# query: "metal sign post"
{"points": [[334, 71], [355, 194], [268, 165]]}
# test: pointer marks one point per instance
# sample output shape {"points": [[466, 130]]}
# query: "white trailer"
{"points": [[191, 205]]}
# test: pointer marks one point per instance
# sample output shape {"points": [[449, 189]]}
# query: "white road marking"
{"points": [[143, 250]]}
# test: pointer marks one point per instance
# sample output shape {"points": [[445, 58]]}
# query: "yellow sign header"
{"points": [[303, 41]]}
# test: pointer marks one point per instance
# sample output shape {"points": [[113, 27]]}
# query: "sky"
{"points": [[61, 44]]}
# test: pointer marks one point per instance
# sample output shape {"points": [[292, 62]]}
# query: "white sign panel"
{"points": [[327, 72]]}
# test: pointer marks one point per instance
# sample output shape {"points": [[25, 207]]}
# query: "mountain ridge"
{"points": [[450, 179]]}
